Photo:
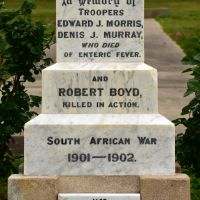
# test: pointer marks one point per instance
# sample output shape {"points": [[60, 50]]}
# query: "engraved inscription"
{"points": [[81, 156], [100, 30]]}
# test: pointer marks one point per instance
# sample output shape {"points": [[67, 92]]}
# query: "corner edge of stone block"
{"points": [[176, 176]]}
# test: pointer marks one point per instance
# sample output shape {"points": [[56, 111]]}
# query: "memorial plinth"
{"points": [[100, 132], [99, 88], [99, 145]]}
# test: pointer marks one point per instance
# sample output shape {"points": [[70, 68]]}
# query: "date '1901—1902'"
{"points": [[111, 157]]}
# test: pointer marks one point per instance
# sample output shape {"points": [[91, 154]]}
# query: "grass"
{"points": [[183, 22], [156, 3]]}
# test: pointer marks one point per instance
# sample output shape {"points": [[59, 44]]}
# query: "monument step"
{"points": [[99, 144], [176, 187], [82, 88]]}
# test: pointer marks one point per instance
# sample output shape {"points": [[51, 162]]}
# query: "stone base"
{"points": [[175, 187]]}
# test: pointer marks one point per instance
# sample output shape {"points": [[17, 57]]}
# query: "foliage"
{"points": [[3, 189], [1, 3], [194, 183], [22, 44], [188, 143], [4, 181], [195, 187], [45, 12]]}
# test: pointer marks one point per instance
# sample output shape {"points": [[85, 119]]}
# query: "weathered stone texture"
{"points": [[165, 187], [99, 184], [175, 187], [32, 187]]}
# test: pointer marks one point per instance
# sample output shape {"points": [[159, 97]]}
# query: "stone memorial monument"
{"points": [[99, 136]]}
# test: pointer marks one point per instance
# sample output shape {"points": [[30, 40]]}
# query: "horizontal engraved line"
{"points": [[98, 156]]}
